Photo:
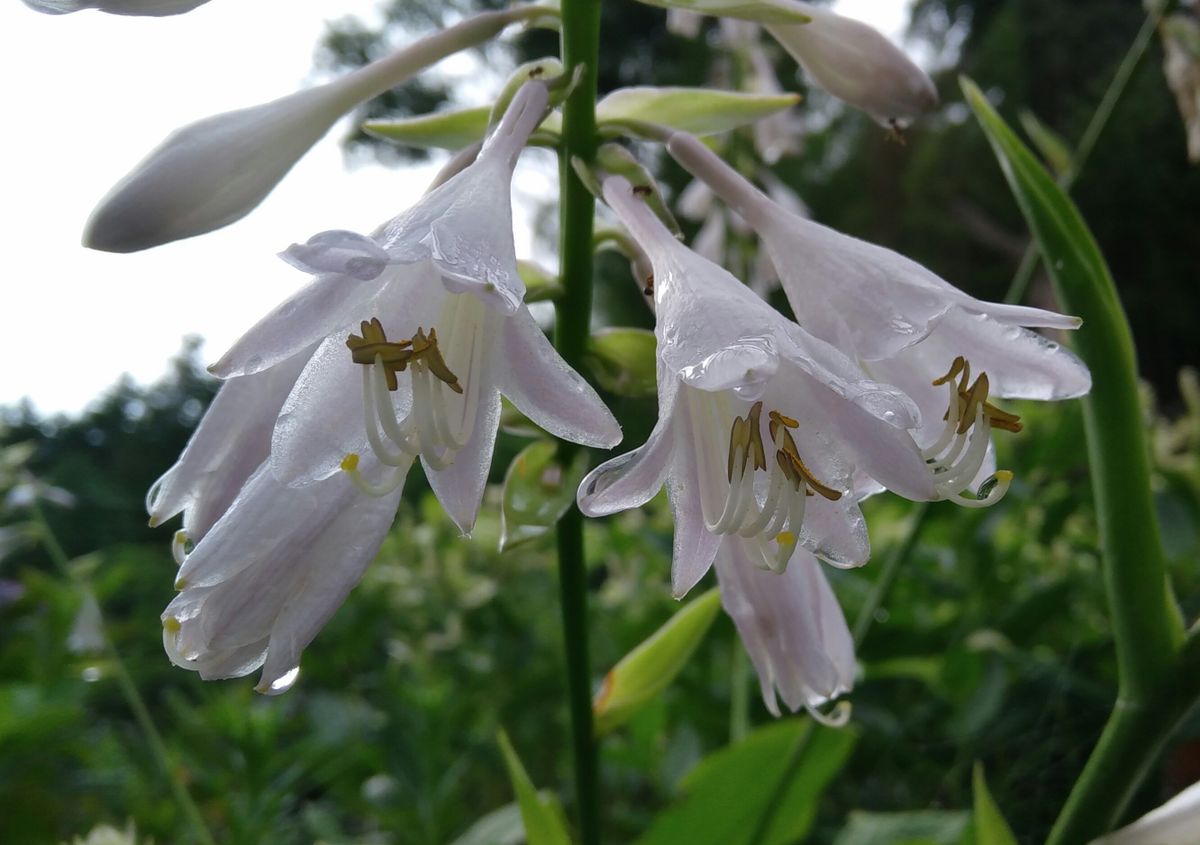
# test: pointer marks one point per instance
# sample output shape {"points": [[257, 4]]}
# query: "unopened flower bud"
{"points": [[154, 8], [857, 64]]}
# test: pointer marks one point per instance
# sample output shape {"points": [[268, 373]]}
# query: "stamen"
{"points": [[793, 456], [960, 451], [838, 717]]}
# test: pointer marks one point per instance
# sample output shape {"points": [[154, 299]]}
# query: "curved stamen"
{"points": [[374, 415], [179, 547]]}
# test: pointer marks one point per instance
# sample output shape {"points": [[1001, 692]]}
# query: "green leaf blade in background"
{"points": [[651, 667], [729, 792], [990, 825], [1049, 143], [541, 815], [1147, 624]]}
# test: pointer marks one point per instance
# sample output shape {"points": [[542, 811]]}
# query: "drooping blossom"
{"points": [[761, 431], [909, 328], [857, 64], [399, 349], [792, 627], [210, 173], [755, 417]]}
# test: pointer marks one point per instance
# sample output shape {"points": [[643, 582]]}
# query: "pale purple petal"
{"points": [[791, 625], [630, 480], [548, 391], [460, 486], [233, 438], [340, 253], [694, 546]]}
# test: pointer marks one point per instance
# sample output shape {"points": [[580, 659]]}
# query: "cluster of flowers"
{"points": [[770, 432]]}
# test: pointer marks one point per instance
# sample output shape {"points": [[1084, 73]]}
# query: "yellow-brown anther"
{"points": [[970, 398], [777, 420], [790, 456], [373, 347], [745, 439], [960, 365], [426, 348]]}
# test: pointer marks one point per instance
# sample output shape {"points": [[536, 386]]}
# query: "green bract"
{"points": [[649, 669], [700, 111]]}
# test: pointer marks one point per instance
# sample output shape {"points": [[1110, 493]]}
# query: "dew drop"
{"points": [[284, 682]]}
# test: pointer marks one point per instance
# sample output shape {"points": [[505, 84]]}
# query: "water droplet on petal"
{"points": [[284, 682]]}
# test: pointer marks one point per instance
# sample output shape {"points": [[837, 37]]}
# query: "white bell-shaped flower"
{"points": [[908, 327], [292, 480], [761, 426]]}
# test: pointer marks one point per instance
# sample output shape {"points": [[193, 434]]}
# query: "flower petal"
{"points": [[694, 546], [233, 438], [334, 565], [338, 252], [459, 487], [791, 625], [548, 391], [630, 480]]}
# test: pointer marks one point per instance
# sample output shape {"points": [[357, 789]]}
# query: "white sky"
{"points": [[85, 97]]}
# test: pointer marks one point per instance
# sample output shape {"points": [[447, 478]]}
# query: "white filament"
{"points": [[440, 421]]}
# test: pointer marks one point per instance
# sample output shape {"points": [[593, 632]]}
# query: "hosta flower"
{"points": [[210, 173], [761, 426], [156, 8], [858, 65], [403, 344], [792, 627], [950, 352]]}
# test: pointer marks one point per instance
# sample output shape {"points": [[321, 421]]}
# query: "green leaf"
{"points": [[700, 111], [451, 130], [540, 283], [540, 814], [1147, 625], [727, 795], [537, 492], [763, 11], [651, 667], [990, 826], [623, 361], [923, 827], [1049, 143]]}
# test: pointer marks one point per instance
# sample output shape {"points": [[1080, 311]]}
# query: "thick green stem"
{"points": [[128, 688], [1083, 151], [580, 49]]}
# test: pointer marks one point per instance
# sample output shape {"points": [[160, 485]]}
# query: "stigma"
{"points": [[957, 456]]}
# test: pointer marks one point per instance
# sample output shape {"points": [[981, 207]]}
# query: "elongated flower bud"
{"points": [[153, 8], [215, 171], [857, 64]]}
